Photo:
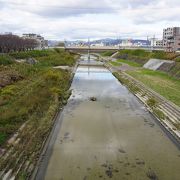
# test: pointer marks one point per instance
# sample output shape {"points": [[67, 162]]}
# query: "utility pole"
{"points": [[88, 50], [147, 41], [119, 43], [153, 42], [65, 44]]}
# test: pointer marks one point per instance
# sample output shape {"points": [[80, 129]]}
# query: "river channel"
{"points": [[114, 137]]}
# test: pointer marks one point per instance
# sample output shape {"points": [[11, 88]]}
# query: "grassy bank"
{"points": [[140, 56], [28, 105], [160, 82], [143, 54], [39, 84], [107, 53], [115, 63], [130, 63]]}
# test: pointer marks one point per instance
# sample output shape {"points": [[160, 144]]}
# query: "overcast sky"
{"points": [[80, 19]]}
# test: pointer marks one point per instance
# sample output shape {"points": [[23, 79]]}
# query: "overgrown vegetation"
{"points": [[160, 82], [32, 101], [159, 113], [33, 94], [6, 60], [152, 102], [175, 71], [146, 54], [27, 54]]}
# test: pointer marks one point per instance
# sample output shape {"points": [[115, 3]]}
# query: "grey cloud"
{"points": [[80, 9], [66, 9], [66, 12], [156, 18], [132, 3]]}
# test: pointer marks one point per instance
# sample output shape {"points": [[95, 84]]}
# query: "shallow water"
{"points": [[111, 138]]}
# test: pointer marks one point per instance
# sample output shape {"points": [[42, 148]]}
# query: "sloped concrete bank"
{"points": [[167, 113]]}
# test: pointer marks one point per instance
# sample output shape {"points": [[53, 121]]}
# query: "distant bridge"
{"points": [[96, 49]]}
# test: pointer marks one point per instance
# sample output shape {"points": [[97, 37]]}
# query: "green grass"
{"points": [[114, 63], [178, 59], [160, 82], [159, 114], [35, 93], [107, 53], [148, 54], [137, 52], [130, 63], [5, 60], [33, 100], [34, 54]]}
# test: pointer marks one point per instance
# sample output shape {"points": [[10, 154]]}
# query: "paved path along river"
{"points": [[114, 137]]}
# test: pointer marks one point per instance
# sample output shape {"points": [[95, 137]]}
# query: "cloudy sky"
{"points": [[80, 19]]}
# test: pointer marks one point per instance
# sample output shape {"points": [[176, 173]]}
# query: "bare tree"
{"points": [[13, 43]]}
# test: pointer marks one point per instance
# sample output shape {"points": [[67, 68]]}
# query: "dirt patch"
{"points": [[9, 77]]}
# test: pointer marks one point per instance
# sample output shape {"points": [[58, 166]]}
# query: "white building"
{"points": [[156, 42], [42, 43], [159, 43], [171, 39], [127, 42]]}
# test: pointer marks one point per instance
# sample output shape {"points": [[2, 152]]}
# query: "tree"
{"points": [[13, 43]]}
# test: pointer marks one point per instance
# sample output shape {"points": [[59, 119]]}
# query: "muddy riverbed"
{"points": [[113, 137]]}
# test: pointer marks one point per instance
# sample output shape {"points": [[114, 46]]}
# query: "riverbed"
{"points": [[113, 137]]}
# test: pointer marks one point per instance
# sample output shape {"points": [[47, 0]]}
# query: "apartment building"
{"points": [[154, 42], [171, 39], [159, 43], [42, 43]]}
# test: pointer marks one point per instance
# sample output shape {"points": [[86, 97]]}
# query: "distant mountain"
{"points": [[109, 42], [53, 43]]}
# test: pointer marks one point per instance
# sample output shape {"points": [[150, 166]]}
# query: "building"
{"points": [[154, 42], [126, 42], [171, 39], [42, 43], [159, 43]]}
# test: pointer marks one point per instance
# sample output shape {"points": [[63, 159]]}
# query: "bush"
{"points": [[52, 76], [136, 52], [2, 137], [151, 102], [9, 90], [28, 54], [6, 60], [159, 114], [30, 98]]}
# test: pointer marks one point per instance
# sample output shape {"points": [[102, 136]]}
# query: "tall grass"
{"points": [[6, 60], [27, 54], [160, 82], [32, 96]]}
